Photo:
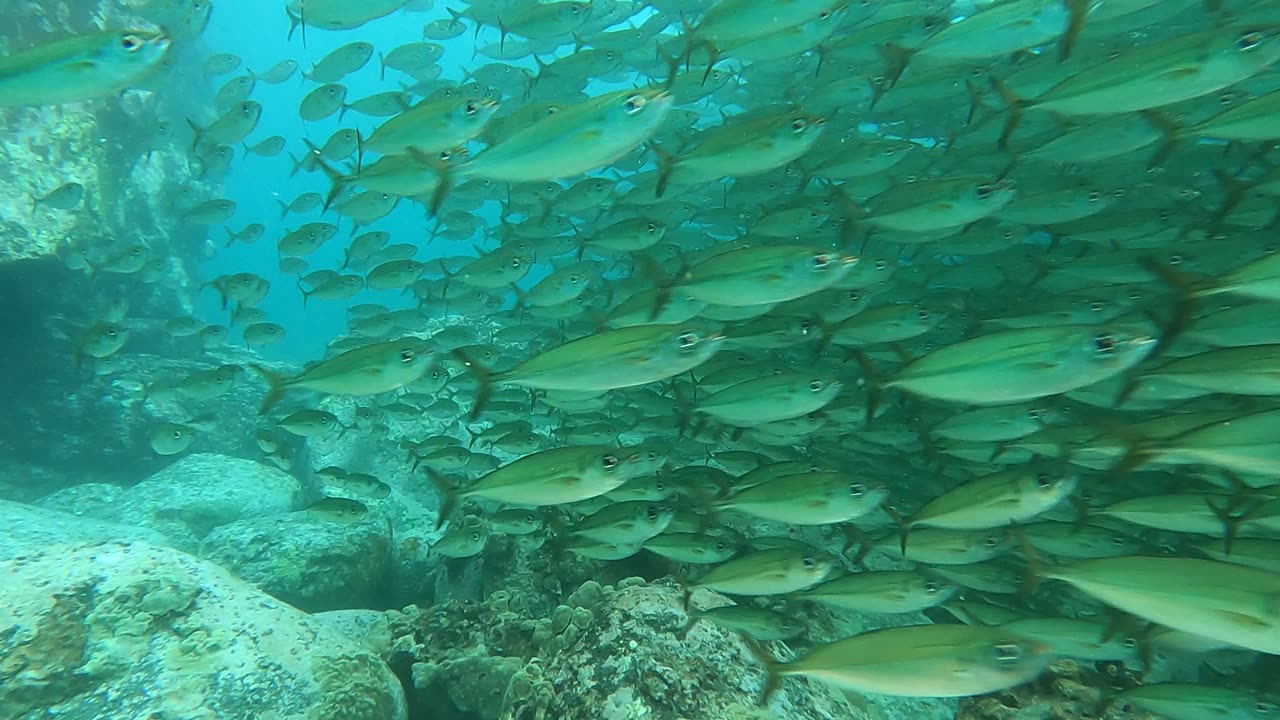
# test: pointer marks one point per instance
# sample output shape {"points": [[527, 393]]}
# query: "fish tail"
{"points": [[1037, 567], [446, 178], [1184, 287], [1234, 513], [1169, 136], [382, 61], [666, 164], [904, 527], [231, 237], [484, 379], [1078, 11], [284, 208], [773, 679], [896, 59], [691, 36], [195, 142], [875, 385], [1234, 191], [276, 385], [294, 22], [448, 497], [1017, 105]]}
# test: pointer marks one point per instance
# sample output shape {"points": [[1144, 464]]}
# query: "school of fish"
{"points": [[778, 290]]}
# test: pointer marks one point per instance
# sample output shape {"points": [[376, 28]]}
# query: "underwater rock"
{"points": [[310, 564], [370, 628], [188, 499], [92, 499], [1070, 689], [607, 653], [198, 493], [28, 528], [125, 631], [25, 482]]}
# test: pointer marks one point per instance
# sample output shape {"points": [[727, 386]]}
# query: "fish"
{"points": [[619, 358], [68, 196], [768, 572], [338, 510], [80, 67], [921, 661], [886, 592], [1224, 601], [171, 438], [368, 370], [554, 477]]}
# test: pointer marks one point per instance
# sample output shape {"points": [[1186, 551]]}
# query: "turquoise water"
{"points": [[809, 359]]}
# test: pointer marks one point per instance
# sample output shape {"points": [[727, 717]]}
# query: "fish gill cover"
{"points": [[518, 359]]}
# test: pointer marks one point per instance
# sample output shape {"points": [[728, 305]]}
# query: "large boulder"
{"points": [[188, 499], [28, 528], [311, 564], [125, 631]]}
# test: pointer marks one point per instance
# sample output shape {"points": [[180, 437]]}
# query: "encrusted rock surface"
{"points": [[28, 528], [126, 631], [188, 499], [311, 564], [607, 653]]}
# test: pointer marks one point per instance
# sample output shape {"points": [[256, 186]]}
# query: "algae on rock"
{"points": [[124, 631]]}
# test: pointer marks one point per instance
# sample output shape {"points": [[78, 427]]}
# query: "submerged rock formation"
{"points": [[124, 631]]}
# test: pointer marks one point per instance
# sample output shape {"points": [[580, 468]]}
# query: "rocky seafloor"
{"points": [[206, 591]]}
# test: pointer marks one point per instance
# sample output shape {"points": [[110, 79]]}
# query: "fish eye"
{"points": [[475, 536], [799, 124], [653, 513], [991, 541], [821, 260], [1249, 41], [816, 385], [1095, 196], [652, 227], [1008, 653], [923, 314], [1035, 413], [1097, 305], [1130, 643], [111, 333], [1043, 480], [931, 586], [1175, 259], [634, 104], [130, 43], [609, 462], [882, 265], [406, 356], [854, 296], [177, 434], [1264, 708], [1104, 343], [984, 191], [809, 562], [856, 490], [687, 340], [1118, 541]]}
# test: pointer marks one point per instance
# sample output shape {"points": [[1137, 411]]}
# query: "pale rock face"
{"points": [[122, 631], [311, 564], [188, 499], [28, 528]]}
